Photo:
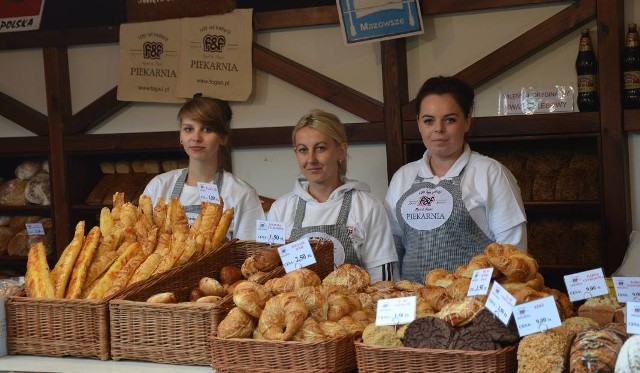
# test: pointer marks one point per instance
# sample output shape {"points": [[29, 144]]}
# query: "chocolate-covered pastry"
{"points": [[428, 332]]}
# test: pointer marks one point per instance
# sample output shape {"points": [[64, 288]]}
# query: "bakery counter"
{"points": [[26, 363]]}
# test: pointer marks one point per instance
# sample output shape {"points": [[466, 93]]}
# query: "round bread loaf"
{"points": [[12, 192], [19, 244], [6, 234], [37, 190], [629, 356], [28, 169]]}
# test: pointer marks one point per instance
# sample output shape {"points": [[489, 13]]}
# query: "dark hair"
{"points": [[209, 111], [443, 85]]}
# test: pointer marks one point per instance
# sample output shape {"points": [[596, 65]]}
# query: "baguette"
{"points": [[160, 213], [125, 274], [191, 248], [81, 266], [62, 270], [106, 221], [109, 243], [99, 266], [37, 281], [146, 269], [221, 229], [100, 289], [169, 260]]}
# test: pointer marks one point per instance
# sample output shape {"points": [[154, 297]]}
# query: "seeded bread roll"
{"points": [[28, 169]]}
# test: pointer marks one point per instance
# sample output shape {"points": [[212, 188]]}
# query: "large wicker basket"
{"points": [[179, 333], [57, 327], [244, 355], [377, 359]]}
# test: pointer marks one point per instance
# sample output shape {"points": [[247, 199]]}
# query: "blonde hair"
{"points": [[328, 124]]}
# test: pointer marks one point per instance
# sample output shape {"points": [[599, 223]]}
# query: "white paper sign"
{"points": [[531, 100], [396, 311], [627, 289], [536, 316], [480, 280], [500, 303], [271, 232], [633, 317], [587, 284], [296, 255], [208, 192], [35, 229]]}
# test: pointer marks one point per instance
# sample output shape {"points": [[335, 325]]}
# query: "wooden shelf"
{"points": [[26, 210], [631, 120], [24, 147], [524, 126]]}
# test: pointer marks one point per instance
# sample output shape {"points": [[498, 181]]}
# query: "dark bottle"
{"points": [[631, 69], [587, 71]]}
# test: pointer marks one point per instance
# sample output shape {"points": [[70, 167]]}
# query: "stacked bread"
{"points": [[15, 239], [131, 244], [30, 186]]}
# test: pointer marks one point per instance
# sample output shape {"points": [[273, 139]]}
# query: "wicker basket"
{"points": [[179, 333], [376, 359], [57, 327], [244, 355]]}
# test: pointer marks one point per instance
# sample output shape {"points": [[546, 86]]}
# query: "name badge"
{"points": [[395, 311]]}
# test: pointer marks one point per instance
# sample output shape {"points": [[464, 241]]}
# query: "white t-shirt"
{"points": [[489, 190], [367, 222], [235, 193]]}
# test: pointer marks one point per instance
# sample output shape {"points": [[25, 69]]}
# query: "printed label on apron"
{"points": [[427, 208], [191, 217], [338, 250]]}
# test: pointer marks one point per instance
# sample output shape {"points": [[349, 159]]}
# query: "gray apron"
{"points": [[191, 210], [343, 251], [438, 231]]}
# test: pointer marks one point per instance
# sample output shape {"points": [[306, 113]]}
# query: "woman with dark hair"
{"points": [[204, 133], [326, 204], [449, 205]]}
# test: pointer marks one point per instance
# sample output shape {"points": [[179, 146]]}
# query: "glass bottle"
{"points": [[587, 71], [631, 69]]}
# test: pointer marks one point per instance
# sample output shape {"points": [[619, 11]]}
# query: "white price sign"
{"points": [[395, 311], [633, 317], [500, 303], [480, 282], [536, 316], [35, 229], [296, 255], [208, 192], [587, 284], [627, 289], [271, 232]]}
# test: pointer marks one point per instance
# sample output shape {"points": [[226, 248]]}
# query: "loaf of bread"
{"points": [[12, 192], [100, 190], [545, 352], [28, 169], [19, 244], [351, 276], [595, 350], [517, 265], [151, 166], [108, 167], [37, 190], [137, 166], [628, 357], [6, 234], [123, 167], [169, 164], [601, 309]]}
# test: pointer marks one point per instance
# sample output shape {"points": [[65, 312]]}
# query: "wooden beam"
{"points": [[95, 113], [23, 115], [312, 16], [614, 161], [395, 92], [56, 73], [528, 43], [431, 7], [317, 84]]}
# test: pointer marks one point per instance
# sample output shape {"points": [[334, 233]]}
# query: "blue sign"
{"points": [[373, 20]]}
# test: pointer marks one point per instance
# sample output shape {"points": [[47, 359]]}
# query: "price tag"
{"points": [[271, 232], [536, 316], [627, 289], [208, 192], [296, 255], [35, 229], [480, 282], [500, 303], [587, 284], [633, 317], [191, 217], [395, 311]]}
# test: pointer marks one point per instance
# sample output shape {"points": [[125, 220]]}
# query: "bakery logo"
{"points": [[522, 311], [262, 225], [620, 283], [637, 310], [213, 43], [575, 280], [283, 251], [426, 201], [152, 50]]}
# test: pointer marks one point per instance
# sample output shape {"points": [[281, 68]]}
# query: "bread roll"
{"points": [[151, 166], [210, 286], [167, 297], [439, 277], [354, 278], [237, 324], [108, 167], [123, 167], [251, 297], [230, 274], [209, 299], [267, 259], [282, 317], [137, 166]]}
